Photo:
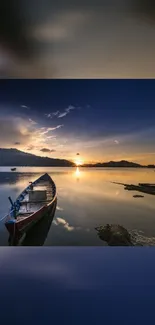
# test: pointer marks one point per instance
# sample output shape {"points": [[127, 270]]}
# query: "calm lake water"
{"points": [[86, 199]]}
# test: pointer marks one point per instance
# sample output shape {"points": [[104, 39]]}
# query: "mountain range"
{"points": [[15, 157]]}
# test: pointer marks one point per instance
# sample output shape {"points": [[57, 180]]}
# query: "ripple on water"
{"points": [[138, 238]]}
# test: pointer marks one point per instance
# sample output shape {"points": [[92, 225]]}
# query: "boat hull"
{"points": [[17, 228]]}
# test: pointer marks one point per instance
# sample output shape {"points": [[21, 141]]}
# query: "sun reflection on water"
{"points": [[77, 174]]}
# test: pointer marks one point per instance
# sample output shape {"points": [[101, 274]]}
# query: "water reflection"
{"points": [[59, 208], [82, 208], [64, 223], [77, 173], [38, 234]]}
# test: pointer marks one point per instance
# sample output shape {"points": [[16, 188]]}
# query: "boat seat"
{"points": [[35, 202], [37, 195]]}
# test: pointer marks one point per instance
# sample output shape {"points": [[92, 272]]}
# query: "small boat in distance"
{"points": [[13, 169], [35, 202]]}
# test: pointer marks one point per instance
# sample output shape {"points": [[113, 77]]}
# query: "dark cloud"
{"points": [[47, 150], [19, 52], [95, 38], [12, 128], [145, 9], [17, 143], [13, 29]]}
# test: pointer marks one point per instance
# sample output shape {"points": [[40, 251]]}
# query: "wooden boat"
{"points": [[13, 169], [37, 235], [36, 201]]}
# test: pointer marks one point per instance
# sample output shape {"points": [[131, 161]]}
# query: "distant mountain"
{"points": [[15, 157], [151, 166], [122, 163]]}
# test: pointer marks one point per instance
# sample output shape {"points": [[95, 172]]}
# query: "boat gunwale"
{"points": [[7, 218]]}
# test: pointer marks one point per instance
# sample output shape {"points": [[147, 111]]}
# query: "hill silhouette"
{"points": [[122, 163], [15, 157]]}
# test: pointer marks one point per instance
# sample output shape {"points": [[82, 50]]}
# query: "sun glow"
{"points": [[77, 173], [78, 162]]}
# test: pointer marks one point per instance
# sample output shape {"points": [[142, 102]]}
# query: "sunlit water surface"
{"points": [[86, 198]]}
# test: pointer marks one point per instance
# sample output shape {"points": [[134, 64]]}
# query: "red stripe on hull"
{"points": [[16, 229], [33, 217]]}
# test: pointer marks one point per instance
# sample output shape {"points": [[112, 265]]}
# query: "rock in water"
{"points": [[114, 235]]}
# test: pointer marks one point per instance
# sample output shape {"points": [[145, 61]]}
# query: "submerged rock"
{"points": [[114, 235]]}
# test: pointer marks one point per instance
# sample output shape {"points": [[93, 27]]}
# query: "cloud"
{"points": [[64, 223], [107, 25], [24, 106], [59, 208], [67, 110], [14, 128], [51, 137], [70, 108], [24, 132], [50, 115], [31, 137], [46, 130], [47, 150], [32, 121], [55, 223], [68, 227], [116, 141], [31, 148], [61, 27], [56, 113], [61, 221], [50, 32], [61, 114], [144, 10]]}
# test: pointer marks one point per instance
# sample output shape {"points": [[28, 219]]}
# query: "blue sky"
{"points": [[101, 119]]}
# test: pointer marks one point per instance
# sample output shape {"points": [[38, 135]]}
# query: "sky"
{"points": [[80, 39], [75, 285], [102, 120]]}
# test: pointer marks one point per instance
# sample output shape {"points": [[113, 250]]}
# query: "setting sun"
{"points": [[78, 162]]}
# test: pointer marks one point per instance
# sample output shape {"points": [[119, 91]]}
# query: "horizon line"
{"points": [[86, 163]]}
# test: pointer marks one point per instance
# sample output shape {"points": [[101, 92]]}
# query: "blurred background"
{"points": [[87, 39]]}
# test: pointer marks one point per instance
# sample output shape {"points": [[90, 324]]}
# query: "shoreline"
{"points": [[106, 167]]}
